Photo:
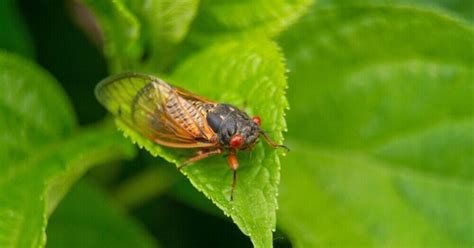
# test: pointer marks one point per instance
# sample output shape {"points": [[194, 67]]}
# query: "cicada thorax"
{"points": [[229, 122]]}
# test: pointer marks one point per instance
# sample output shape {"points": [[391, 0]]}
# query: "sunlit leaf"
{"points": [[249, 74], [253, 18]]}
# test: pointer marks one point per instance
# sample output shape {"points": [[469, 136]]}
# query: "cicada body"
{"points": [[176, 118]]}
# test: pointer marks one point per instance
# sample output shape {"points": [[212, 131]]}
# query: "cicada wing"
{"points": [[139, 101], [193, 97]]}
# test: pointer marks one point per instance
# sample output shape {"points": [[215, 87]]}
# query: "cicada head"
{"points": [[234, 128]]}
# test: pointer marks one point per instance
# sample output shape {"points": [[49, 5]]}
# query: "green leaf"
{"points": [[461, 8], [118, 30], [42, 157], [14, 36], [31, 190], [27, 118], [86, 218], [223, 19], [382, 126], [371, 88], [165, 24], [152, 36], [141, 34], [237, 73], [343, 199], [167, 21]]}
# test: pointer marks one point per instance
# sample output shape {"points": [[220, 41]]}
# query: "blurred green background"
{"points": [[380, 123]]}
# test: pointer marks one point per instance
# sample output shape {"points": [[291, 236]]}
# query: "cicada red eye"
{"points": [[236, 141], [257, 120]]}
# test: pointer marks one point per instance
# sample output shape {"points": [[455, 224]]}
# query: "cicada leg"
{"points": [[233, 164], [199, 156]]}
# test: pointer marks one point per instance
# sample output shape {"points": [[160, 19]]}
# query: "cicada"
{"points": [[173, 117]]}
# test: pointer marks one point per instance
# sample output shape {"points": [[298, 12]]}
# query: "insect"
{"points": [[173, 117]]}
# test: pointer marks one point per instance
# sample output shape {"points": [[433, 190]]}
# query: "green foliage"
{"points": [[26, 119], [14, 36], [252, 18], [166, 21], [388, 153], [154, 36], [95, 224], [238, 70], [259, 69], [119, 33], [165, 25], [377, 205], [41, 155], [462, 8], [381, 126], [239, 73]]}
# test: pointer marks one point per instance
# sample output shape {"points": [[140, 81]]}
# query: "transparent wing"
{"points": [[142, 102]]}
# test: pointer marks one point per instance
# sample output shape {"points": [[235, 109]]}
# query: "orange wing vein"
{"points": [[167, 115]]}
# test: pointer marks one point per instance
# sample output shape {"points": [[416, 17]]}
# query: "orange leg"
{"points": [[199, 156], [233, 164]]}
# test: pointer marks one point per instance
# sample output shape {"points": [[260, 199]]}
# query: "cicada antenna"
{"points": [[271, 142]]}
